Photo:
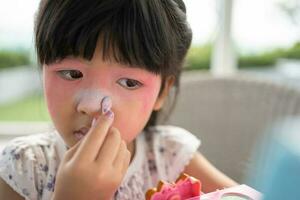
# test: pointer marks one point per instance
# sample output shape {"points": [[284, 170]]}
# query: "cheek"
{"points": [[133, 114], [57, 95]]}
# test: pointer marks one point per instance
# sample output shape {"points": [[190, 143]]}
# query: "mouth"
{"points": [[79, 134]]}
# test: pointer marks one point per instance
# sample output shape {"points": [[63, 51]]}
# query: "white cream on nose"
{"points": [[89, 100]]}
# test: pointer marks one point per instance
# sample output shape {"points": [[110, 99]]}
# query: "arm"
{"points": [[6, 192], [211, 178]]}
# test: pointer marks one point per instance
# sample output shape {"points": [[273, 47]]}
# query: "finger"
{"points": [[72, 150], [93, 141], [110, 147], [123, 157], [118, 160], [126, 161]]}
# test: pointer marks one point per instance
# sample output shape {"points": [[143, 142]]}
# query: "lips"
{"points": [[79, 134]]}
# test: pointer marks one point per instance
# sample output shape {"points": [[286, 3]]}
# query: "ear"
{"points": [[169, 82]]}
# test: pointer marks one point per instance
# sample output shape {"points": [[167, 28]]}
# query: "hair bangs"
{"points": [[128, 32]]}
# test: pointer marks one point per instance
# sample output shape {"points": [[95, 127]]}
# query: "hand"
{"points": [[95, 166]]}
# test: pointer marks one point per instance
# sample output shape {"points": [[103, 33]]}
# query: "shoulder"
{"points": [[24, 162], [173, 148], [173, 135], [29, 148]]}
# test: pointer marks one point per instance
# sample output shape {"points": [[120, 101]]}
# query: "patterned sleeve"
{"points": [[174, 147], [18, 170]]}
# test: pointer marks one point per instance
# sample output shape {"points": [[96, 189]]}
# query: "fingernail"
{"points": [[106, 104], [109, 114]]}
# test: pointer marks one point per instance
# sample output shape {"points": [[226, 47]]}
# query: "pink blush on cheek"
{"points": [[54, 98], [137, 112], [150, 95], [56, 93], [148, 101]]}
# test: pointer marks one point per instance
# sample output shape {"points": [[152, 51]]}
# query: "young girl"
{"points": [[108, 66]]}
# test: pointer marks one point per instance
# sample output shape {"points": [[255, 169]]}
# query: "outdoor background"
{"points": [[265, 34]]}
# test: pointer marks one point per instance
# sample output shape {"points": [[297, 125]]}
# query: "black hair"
{"points": [[151, 34]]}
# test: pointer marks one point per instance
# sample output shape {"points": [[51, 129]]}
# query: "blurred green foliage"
{"points": [[293, 52], [199, 57], [266, 59], [32, 108], [10, 58]]}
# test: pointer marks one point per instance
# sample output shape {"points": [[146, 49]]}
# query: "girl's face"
{"points": [[74, 89]]}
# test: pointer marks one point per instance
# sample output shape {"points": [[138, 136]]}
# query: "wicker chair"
{"points": [[229, 114]]}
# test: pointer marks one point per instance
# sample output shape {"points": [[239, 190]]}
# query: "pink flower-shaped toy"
{"points": [[185, 187], [189, 188]]}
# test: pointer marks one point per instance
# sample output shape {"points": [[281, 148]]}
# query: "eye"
{"points": [[130, 84], [70, 74]]}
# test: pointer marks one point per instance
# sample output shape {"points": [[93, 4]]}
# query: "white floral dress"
{"points": [[29, 164]]}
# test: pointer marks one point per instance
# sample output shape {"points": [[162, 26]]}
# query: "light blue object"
{"points": [[277, 174]]}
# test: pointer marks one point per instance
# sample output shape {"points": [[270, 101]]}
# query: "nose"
{"points": [[89, 102]]}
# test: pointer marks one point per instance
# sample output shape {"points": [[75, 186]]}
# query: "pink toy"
{"points": [[189, 188], [185, 187]]}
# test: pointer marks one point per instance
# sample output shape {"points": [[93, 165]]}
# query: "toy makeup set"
{"points": [[189, 188]]}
